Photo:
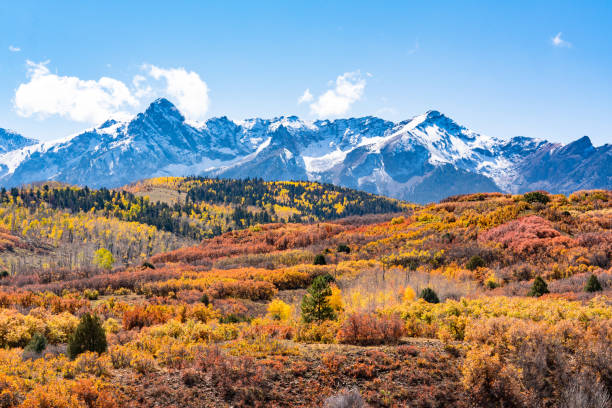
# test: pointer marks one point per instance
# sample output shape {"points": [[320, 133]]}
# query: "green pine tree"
{"points": [[539, 287], [429, 295], [315, 304], [88, 336], [592, 284]]}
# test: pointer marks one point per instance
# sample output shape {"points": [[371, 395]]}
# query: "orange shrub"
{"points": [[246, 289], [141, 316]]}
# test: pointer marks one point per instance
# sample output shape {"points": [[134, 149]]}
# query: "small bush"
{"points": [[88, 336], [536, 197], [592, 284], [539, 287], [491, 282], [91, 294], [344, 248], [409, 294], [324, 332], [233, 318], [279, 310], [37, 344], [205, 299], [474, 263], [397, 220], [429, 295], [143, 364], [320, 260]]}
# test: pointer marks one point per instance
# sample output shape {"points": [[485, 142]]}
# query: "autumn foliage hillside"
{"points": [[64, 225], [481, 300]]}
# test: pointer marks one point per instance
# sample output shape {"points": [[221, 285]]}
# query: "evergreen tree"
{"points": [[474, 263], [344, 248], [88, 336], [592, 284], [429, 295], [315, 304], [539, 287], [37, 344], [320, 260]]}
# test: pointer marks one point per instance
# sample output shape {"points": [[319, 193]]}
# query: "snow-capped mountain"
{"points": [[422, 159], [13, 149]]}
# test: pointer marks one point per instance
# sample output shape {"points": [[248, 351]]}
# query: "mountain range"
{"points": [[422, 159]]}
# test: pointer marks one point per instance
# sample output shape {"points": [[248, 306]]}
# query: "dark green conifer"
{"points": [[315, 304], [88, 336]]}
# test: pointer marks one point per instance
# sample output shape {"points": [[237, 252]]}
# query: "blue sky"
{"points": [[540, 69]]}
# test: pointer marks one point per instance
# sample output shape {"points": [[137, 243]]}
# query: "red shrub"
{"points": [[269, 238], [362, 370], [528, 235], [238, 379], [272, 330], [369, 329]]}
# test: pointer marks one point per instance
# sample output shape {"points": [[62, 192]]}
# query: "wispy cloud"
{"points": [[347, 89], [557, 41], [306, 97], [13, 48]]}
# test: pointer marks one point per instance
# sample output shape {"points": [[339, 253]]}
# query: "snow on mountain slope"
{"points": [[422, 159], [11, 141]]}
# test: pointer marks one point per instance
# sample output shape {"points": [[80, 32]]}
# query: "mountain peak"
{"points": [[433, 114], [164, 107], [581, 146], [584, 141], [108, 124], [433, 118]]}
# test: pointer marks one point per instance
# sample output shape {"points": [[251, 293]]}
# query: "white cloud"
{"points": [[348, 89], [557, 41], [92, 101], [306, 97], [185, 88], [13, 48]]}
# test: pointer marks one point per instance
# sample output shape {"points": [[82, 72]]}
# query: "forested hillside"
{"points": [[482, 300], [293, 201], [64, 225]]}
